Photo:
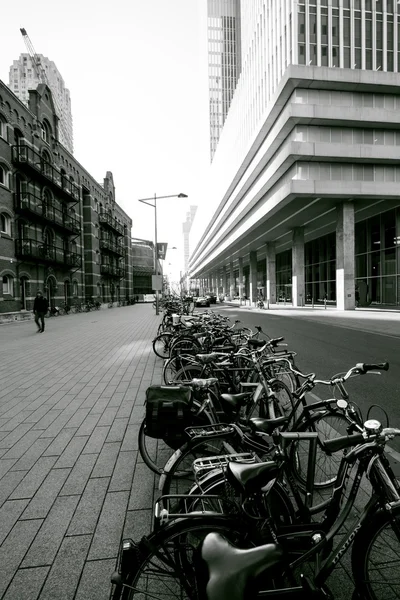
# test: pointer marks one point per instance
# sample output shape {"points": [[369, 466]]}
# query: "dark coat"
{"points": [[41, 304]]}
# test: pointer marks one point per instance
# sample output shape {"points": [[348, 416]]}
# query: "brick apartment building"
{"points": [[60, 230]]}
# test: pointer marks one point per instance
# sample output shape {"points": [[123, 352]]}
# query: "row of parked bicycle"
{"points": [[257, 482], [78, 307]]}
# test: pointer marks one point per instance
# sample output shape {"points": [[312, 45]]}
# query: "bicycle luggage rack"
{"points": [[206, 431], [201, 466], [175, 506]]}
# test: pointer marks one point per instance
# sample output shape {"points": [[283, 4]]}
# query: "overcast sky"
{"points": [[137, 74]]}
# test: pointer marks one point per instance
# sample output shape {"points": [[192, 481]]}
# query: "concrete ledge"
{"points": [[11, 317]]}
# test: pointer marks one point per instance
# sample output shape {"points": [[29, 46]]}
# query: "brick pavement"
{"points": [[71, 481]]}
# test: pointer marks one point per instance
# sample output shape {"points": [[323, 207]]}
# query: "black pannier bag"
{"points": [[168, 412]]}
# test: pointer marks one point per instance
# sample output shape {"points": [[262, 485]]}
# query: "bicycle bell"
{"points": [[343, 404], [372, 426]]}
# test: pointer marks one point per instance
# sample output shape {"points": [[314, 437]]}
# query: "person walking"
{"points": [[40, 308]]}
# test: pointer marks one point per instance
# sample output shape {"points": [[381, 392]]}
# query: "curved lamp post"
{"points": [[152, 201]]}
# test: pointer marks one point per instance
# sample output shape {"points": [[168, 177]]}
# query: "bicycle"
{"points": [[213, 529]]}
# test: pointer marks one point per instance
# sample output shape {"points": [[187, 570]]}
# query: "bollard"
{"points": [[312, 302], [325, 302], [268, 304]]}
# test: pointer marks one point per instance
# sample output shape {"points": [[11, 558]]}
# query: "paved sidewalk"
{"points": [[71, 402]]}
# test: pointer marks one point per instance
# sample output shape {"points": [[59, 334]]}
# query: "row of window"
{"points": [[346, 172], [355, 99], [347, 135]]}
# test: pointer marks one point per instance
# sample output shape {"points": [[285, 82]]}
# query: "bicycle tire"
{"points": [[156, 452], [176, 548], [178, 476], [161, 345], [377, 578], [184, 344], [173, 364], [278, 504], [328, 424], [189, 372]]}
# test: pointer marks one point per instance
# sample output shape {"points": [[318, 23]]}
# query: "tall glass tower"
{"points": [[223, 61]]}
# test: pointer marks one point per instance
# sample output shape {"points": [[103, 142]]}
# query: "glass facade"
{"points": [[377, 259], [329, 23], [320, 269], [223, 62], [377, 263], [284, 276]]}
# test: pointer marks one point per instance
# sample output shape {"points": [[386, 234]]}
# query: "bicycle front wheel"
{"points": [[328, 425], [162, 344], [376, 558]]}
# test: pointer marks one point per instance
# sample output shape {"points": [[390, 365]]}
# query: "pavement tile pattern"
{"points": [[71, 479], [72, 482]]}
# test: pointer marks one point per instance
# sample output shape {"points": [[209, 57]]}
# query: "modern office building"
{"points": [[24, 77], [186, 227], [223, 23], [60, 230], [143, 268], [304, 200]]}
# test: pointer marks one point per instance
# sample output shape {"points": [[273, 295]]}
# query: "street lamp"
{"points": [[153, 203]]}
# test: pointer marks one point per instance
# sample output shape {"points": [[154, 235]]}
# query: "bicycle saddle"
{"points": [[230, 568], [258, 425], [251, 477], [234, 400], [204, 359]]}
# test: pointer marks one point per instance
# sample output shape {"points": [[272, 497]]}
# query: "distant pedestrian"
{"points": [[40, 308]]}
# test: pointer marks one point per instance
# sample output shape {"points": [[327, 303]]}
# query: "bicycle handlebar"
{"points": [[346, 441]]}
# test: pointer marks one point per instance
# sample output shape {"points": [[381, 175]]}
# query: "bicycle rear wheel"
{"points": [[156, 452], [168, 563]]}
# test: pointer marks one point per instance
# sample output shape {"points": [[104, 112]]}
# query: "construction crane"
{"points": [[41, 75]]}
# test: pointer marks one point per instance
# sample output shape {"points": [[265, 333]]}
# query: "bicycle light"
{"points": [[372, 426]]}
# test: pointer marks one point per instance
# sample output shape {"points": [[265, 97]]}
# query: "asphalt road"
{"points": [[327, 348]]}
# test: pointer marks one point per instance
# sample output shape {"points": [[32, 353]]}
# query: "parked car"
{"points": [[202, 301], [212, 298]]}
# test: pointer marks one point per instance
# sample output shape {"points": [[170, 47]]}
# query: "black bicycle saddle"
{"points": [[231, 568]]}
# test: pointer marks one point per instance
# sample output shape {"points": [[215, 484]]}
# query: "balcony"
{"points": [[37, 251], [111, 222], [33, 208], [31, 161], [111, 270], [112, 246]]}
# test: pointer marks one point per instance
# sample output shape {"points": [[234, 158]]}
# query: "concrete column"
{"points": [[213, 283], [231, 280], [345, 259], [253, 277], [224, 288], [298, 269], [270, 292], [240, 279]]}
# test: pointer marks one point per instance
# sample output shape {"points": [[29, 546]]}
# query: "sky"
{"points": [[137, 75]]}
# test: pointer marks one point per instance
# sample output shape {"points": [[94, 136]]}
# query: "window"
{"points": [[2, 128], [5, 224], [75, 288], [7, 285], [3, 176]]}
